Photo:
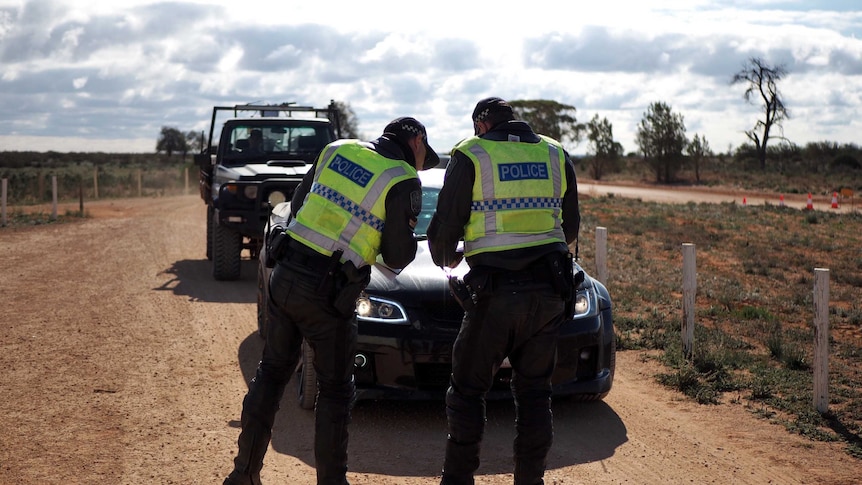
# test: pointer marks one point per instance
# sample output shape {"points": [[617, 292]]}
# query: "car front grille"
{"points": [[432, 377], [442, 313]]}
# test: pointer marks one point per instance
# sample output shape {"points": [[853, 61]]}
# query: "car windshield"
{"points": [[429, 205], [275, 141]]}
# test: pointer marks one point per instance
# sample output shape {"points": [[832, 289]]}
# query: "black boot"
{"points": [[258, 415], [253, 442], [465, 416], [529, 473], [533, 438], [332, 417], [460, 463]]}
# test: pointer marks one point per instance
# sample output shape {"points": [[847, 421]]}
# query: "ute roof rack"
{"points": [[289, 108], [274, 111]]}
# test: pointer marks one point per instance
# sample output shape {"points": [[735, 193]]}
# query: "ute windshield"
{"points": [[261, 142]]}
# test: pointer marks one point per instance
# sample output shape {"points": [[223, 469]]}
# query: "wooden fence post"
{"points": [[81, 195], [3, 196], [53, 197], [139, 184], [689, 289], [186, 189], [602, 254], [821, 339], [95, 182]]}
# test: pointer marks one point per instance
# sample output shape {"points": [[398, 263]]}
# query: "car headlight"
{"points": [[276, 197], [250, 191], [374, 309], [582, 303]]}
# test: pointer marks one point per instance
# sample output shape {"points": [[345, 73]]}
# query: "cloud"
{"points": [[122, 70], [598, 49]]}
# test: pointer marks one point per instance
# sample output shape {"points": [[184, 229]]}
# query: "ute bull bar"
{"points": [[244, 206]]}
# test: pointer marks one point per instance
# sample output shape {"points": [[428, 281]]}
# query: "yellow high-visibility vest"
{"points": [[346, 205], [517, 194]]}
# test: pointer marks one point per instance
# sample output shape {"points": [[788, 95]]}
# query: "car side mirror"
{"points": [[202, 160]]}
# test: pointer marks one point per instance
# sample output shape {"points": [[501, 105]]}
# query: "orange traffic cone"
{"points": [[834, 200], [781, 200], [744, 201], [810, 205]]}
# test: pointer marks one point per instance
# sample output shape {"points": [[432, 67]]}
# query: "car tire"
{"points": [[307, 378], [210, 223], [262, 297], [227, 246], [611, 368]]}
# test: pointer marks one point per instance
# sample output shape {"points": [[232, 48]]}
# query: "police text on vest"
{"points": [[522, 171]]}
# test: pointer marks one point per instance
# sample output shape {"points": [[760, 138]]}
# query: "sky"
{"points": [[106, 76]]}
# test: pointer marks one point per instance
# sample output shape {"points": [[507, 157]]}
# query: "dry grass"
{"points": [[755, 274], [754, 339]]}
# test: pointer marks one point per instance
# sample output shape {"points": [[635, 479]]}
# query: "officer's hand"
{"points": [[459, 256]]}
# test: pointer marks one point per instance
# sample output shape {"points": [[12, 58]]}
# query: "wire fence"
{"points": [[30, 186]]}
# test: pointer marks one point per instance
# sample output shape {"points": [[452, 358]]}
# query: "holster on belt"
{"points": [[350, 281], [276, 245], [561, 272], [332, 267], [564, 278], [463, 294]]}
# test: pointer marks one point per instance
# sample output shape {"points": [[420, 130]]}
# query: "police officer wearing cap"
{"points": [[359, 200], [512, 196]]}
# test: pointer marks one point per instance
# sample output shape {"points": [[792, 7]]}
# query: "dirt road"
{"points": [[123, 362], [715, 195]]}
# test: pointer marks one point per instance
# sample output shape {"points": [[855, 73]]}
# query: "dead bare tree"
{"points": [[762, 80]]}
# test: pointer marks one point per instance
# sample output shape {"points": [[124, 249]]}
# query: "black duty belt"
{"points": [[298, 253], [536, 274]]}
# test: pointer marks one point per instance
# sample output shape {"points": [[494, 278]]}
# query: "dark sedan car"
{"points": [[408, 322]]}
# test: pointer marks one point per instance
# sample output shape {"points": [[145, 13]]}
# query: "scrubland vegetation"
{"points": [[754, 336]]}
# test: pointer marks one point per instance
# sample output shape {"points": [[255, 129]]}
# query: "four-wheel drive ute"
{"points": [[260, 157]]}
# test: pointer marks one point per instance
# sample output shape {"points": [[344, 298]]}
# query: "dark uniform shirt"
{"points": [[453, 210], [403, 204]]}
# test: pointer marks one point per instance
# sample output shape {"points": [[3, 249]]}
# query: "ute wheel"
{"points": [[307, 378], [262, 297], [210, 223], [227, 246]]}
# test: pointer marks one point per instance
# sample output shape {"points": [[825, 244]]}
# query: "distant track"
{"points": [[682, 195]]}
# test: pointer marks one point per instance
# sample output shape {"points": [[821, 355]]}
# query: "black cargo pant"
{"points": [[300, 307], [516, 316]]}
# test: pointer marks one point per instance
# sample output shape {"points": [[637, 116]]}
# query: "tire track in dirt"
{"points": [[123, 362]]}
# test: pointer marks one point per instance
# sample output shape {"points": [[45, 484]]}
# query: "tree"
{"points": [[195, 141], [550, 118], [600, 134], [661, 138], [348, 120], [698, 149], [171, 140], [762, 80]]}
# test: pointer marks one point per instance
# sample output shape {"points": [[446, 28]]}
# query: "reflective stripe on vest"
{"points": [[499, 218], [345, 207]]}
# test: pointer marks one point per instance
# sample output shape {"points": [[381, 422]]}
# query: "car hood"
{"points": [[422, 280], [420, 275], [262, 171]]}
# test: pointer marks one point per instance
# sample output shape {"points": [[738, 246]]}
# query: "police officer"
{"points": [[360, 200], [512, 196]]}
